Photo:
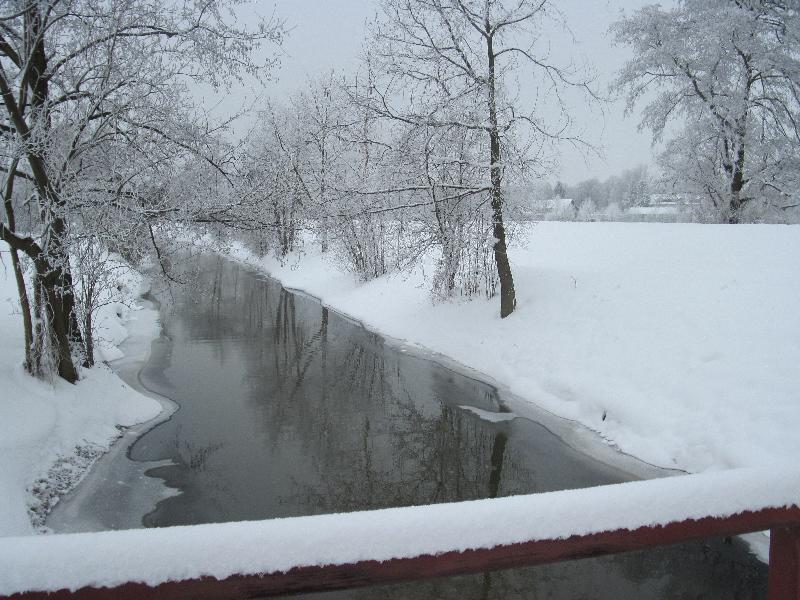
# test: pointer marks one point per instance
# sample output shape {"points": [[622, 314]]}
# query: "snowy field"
{"points": [[678, 343], [51, 432]]}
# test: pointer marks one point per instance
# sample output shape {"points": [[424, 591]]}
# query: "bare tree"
{"points": [[97, 276], [444, 166], [324, 108], [448, 64]]}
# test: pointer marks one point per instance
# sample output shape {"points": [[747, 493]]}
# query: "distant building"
{"points": [[556, 209], [654, 210], [679, 200]]}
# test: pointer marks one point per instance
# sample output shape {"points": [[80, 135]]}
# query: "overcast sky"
{"points": [[328, 34]]}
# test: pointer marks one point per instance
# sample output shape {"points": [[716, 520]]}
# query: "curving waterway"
{"points": [[287, 408]]}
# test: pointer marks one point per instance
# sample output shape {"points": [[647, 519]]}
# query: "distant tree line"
{"points": [[632, 187]]}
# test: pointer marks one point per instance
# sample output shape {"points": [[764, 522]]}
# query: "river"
{"points": [[287, 408]]}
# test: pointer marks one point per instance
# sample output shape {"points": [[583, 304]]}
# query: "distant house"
{"points": [[556, 209], [671, 207], [678, 200], [665, 207], [654, 210]]}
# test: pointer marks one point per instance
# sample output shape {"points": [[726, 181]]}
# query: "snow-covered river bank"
{"points": [[330, 416], [289, 409], [115, 493], [678, 343], [51, 433]]}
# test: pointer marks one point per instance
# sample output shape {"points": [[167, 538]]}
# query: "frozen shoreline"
{"points": [[83, 509], [676, 343], [689, 353], [571, 432], [53, 434], [680, 307]]}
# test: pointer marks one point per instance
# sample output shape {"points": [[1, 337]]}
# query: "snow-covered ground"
{"points": [[51, 432], [679, 343]]}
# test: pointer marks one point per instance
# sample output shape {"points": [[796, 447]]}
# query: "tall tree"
{"points": [[446, 64], [731, 69], [85, 80], [322, 105]]}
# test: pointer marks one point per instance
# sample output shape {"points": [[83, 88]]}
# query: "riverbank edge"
{"points": [[137, 351], [575, 434]]}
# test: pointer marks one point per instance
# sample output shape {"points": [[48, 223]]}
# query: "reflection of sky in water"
{"points": [[288, 409]]}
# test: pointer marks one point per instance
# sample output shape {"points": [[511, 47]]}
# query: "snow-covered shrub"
{"points": [[587, 211], [466, 266], [363, 246]]}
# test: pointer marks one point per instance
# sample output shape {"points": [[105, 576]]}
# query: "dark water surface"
{"points": [[288, 409]]}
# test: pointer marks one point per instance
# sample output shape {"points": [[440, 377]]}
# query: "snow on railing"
{"points": [[337, 551]]}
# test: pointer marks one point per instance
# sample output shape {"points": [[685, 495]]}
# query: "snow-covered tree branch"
{"points": [[730, 70], [95, 114]]}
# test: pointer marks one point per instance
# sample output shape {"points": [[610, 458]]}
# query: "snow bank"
{"points": [[47, 424], [679, 343], [154, 556]]}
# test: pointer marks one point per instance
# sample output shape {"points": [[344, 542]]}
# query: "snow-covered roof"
{"points": [[653, 210], [558, 204]]}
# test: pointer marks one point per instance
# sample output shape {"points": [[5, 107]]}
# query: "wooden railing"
{"points": [[104, 570]]}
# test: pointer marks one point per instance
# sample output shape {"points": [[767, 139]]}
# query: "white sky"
{"points": [[328, 35]]}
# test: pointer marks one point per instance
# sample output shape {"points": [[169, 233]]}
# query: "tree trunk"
{"points": [[55, 302], [22, 291], [508, 299], [737, 183], [324, 241], [88, 359], [323, 191], [52, 325], [55, 319], [59, 287], [39, 338], [25, 308]]}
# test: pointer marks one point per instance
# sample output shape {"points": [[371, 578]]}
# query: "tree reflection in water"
{"points": [[291, 409]]}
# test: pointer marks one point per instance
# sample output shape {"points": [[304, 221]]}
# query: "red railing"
{"points": [[254, 581]]}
